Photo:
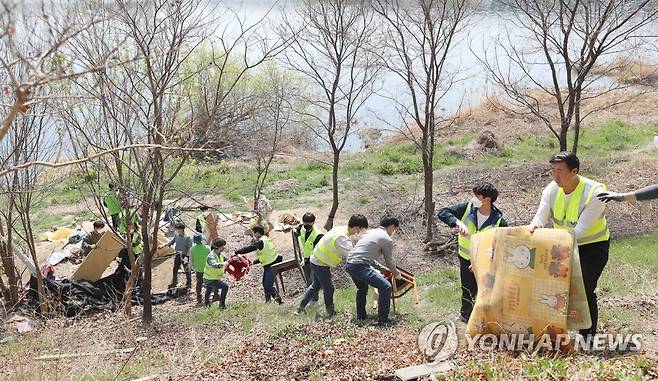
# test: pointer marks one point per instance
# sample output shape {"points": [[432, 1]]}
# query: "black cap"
{"points": [[179, 225]]}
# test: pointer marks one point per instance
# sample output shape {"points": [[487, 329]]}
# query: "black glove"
{"points": [[607, 196]]}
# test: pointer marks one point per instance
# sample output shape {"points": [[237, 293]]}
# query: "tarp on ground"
{"points": [[527, 283], [98, 260], [71, 298]]}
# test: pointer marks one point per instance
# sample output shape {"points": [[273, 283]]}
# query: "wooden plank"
{"points": [[73, 355], [423, 370], [107, 249]]}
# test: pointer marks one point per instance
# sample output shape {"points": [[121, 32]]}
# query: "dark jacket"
{"points": [[451, 214]]}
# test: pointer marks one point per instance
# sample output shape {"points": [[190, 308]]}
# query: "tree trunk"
{"points": [[428, 175], [576, 126], [334, 184], [147, 253], [132, 279], [564, 129], [9, 266]]}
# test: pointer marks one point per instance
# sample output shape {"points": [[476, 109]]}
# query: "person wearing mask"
{"points": [[182, 244], [213, 274], [362, 262], [328, 254], [570, 202], [91, 239], [478, 214], [199, 254], [308, 235], [265, 255]]}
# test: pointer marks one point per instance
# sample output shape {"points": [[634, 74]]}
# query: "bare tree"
{"points": [[332, 51], [273, 120], [565, 38], [37, 35], [417, 39]]}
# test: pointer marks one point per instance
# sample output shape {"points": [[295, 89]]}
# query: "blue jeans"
{"points": [[214, 286], [268, 282], [321, 279], [363, 276]]}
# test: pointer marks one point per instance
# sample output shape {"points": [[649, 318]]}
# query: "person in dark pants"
{"points": [[361, 263], [199, 254], [308, 235], [266, 256], [183, 244], [478, 214], [214, 273], [571, 202], [328, 254]]}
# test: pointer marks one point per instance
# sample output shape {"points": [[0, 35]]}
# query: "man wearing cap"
{"points": [[183, 244], [570, 202], [199, 253], [213, 273]]}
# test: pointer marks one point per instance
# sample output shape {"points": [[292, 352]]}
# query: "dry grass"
{"points": [[630, 71]]}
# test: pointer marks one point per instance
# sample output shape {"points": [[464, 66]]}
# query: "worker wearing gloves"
{"points": [[199, 253], [478, 214], [266, 256], [642, 194], [328, 254], [91, 239], [570, 202], [374, 245], [183, 244], [308, 235], [213, 273]]}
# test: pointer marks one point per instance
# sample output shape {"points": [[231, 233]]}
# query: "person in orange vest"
{"points": [[478, 214]]}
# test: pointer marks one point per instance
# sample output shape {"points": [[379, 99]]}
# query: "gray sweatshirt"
{"points": [[371, 248], [183, 244]]}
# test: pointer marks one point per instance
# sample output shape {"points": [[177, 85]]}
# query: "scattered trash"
{"points": [[94, 265], [57, 257], [20, 324], [60, 235], [289, 219], [76, 236]]}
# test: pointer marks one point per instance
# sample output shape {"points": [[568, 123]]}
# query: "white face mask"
{"points": [[477, 203]]}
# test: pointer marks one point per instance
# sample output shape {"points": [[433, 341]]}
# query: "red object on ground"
{"points": [[238, 266]]}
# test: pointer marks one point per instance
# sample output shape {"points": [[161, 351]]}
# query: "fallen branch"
{"points": [[103, 153], [71, 355]]}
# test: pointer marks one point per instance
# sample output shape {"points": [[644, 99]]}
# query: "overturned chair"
{"points": [[401, 286], [296, 262]]}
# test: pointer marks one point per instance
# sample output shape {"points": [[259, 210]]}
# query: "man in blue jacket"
{"points": [[470, 217]]}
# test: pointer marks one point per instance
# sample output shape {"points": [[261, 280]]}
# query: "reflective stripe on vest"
{"points": [[465, 241], [307, 246], [565, 216], [326, 251], [267, 255], [214, 273]]}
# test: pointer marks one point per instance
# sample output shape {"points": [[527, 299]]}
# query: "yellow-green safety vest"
{"points": [[326, 251], [465, 241], [565, 216], [268, 254], [214, 273], [307, 246], [138, 247]]}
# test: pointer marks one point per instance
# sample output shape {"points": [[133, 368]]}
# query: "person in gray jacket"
{"points": [[362, 262]]}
